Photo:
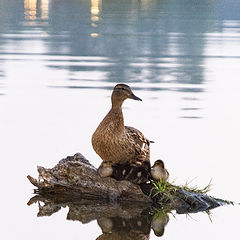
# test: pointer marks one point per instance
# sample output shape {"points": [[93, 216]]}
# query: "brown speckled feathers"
{"points": [[114, 142]]}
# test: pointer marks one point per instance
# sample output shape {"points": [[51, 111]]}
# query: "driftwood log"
{"points": [[75, 179]]}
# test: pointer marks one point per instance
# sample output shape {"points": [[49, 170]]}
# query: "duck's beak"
{"points": [[134, 97]]}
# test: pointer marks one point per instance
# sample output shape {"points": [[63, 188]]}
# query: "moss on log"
{"points": [[75, 178]]}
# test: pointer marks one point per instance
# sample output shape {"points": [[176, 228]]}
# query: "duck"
{"points": [[159, 172], [116, 143]]}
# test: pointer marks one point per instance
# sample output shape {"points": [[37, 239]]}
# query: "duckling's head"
{"points": [[159, 163], [122, 92], [105, 169]]}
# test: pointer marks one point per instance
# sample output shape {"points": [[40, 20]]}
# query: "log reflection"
{"points": [[116, 220]]}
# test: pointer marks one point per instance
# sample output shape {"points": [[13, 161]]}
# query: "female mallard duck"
{"points": [[158, 171], [116, 143]]}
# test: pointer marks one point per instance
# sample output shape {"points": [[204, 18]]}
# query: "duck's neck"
{"points": [[116, 102], [113, 121], [117, 117]]}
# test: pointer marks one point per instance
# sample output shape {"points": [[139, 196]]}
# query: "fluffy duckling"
{"points": [[134, 172], [105, 169], [117, 143], [158, 171]]}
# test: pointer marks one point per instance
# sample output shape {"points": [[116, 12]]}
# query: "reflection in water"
{"points": [[30, 7], [159, 221], [162, 49], [1, 75], [142, 42], [44, 9], [141, 50], [95, 12], [33, 7], [95, 4], [118, 221]]}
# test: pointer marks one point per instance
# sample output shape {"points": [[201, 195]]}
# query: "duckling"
{"points": [[105, 169], [116, 143], [138, 174], [133, 172], [158, 171]]}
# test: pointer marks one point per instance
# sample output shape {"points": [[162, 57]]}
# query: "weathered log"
{"points": [[74, 177]]}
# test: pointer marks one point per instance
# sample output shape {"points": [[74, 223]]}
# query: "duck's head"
{"points": [[122, 92], [159, 163]]}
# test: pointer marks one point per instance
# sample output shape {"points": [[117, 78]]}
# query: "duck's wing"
{"points": [[137, 137], [141, 144]]}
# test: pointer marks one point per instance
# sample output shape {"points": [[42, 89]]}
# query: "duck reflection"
{"points": [[159, 221], [116, 220], [137, 227]]}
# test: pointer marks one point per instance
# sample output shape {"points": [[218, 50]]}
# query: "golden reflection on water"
{"points": [[44, 9], [30, 7], [95, 18], [95, 12], [95, 7], [94, 34]]}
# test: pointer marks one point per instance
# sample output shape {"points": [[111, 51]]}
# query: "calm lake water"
{"points": [[60, 59]]}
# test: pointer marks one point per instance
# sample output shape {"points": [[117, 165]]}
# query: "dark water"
{"points": [[59, 60]]}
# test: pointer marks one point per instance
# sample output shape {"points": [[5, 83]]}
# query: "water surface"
{"points": [[59, 61]]}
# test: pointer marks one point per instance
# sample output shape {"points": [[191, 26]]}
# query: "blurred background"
{"points": [[60, 59]]}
